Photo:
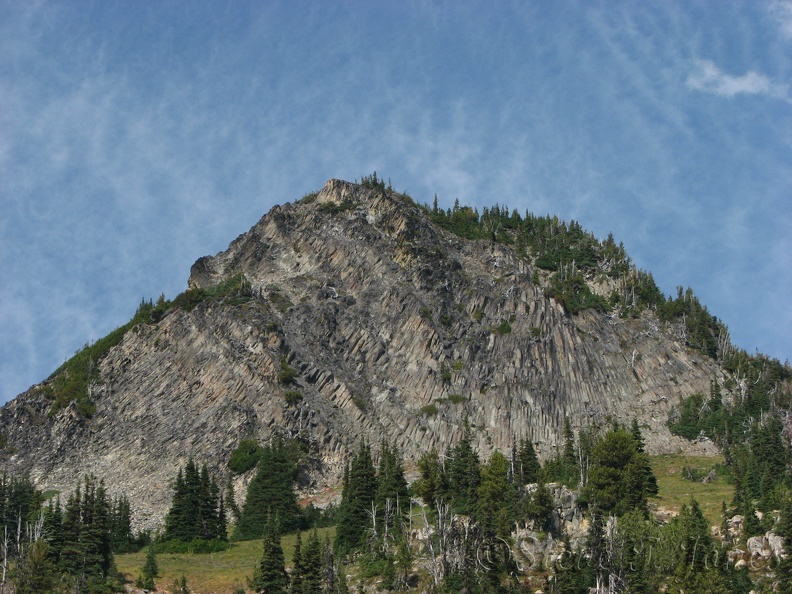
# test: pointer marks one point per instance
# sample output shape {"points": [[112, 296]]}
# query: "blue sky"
{"points": [[136, 137]]}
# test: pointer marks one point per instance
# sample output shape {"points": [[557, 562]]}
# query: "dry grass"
{"points": [[675, 490]]}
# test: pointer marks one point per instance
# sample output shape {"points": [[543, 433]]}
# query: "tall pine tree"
{"points": [[271, 492], [357, 498]]}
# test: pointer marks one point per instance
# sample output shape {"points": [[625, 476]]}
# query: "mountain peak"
{"points": [[349, 314]]}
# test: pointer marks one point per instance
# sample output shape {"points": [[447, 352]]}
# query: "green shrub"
{"points": [[292, 397], [287, 374], [245, 456], [429, 410]]}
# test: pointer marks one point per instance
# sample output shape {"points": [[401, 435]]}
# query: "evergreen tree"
{"points": [[270, 492], [329, 580], [391, 484], [360, 488], [539, 507], [150, 570], [616, 480], [34, 572], [53, 529], [179, 586], [270, 576], [230, 501], [649, 479], [295, 578], [122, 539], [571, 574], [527, 464], [784, 570], [196, 511], [343, 588], [464, 476], [497, 497], [433, 484], [87, 555], [312, 565], [71, 557], [569, 456]]}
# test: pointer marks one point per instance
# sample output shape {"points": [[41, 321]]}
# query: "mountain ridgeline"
{"points": [[355, 313]]}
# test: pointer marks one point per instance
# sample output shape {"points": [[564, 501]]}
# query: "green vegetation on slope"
{"points": [[74, 380]]}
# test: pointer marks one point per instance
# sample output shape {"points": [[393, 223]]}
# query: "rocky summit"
{"points": [[355, 317]]}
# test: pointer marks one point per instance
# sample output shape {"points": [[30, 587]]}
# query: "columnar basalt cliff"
{"points": [[395, 329]]}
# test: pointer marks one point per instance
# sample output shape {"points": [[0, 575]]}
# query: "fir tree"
{"points": [[616, 480], [649, 479], [784, 570], [329, 581], [527, 464], [433, 484], [71, 557], [360, 488], [270, 576], [464, 476], [53, 529], [150, 570], [270, 492], [312, 565], [496, 499], [295, 578], [230, 502], [122, 539], [196, 511], [34, 572], [391, 484]]}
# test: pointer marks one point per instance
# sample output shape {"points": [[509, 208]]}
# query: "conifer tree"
{"points": [[433, 484], [53, 529], [784, 570], [34, 572], [122, 539], [360, 488], [150, 570], [329, 581], [270, 492], [270, 576], [230, 501], [196, 511], [497, 497], [649, 479], [539, 507], [312, 565], [464, 475], [295, 578], [391, 484], [526, 466], [71, 557], [616, 480]]}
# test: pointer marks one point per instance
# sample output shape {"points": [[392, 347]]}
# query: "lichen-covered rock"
{"points": [[391, 324]]}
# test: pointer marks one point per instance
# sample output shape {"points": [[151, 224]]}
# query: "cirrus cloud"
{"points": [[707, 77]]}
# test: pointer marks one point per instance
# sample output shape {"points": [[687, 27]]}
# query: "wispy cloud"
{"points": [[707, 77], [781, 10]]}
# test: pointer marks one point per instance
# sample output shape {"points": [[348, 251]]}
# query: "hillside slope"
{"points": [[395, 328]]}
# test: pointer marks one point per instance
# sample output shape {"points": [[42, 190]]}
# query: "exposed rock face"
{"points": [[382, 314]]}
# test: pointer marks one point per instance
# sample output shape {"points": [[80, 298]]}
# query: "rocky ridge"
{"points": [[395, 329]]}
